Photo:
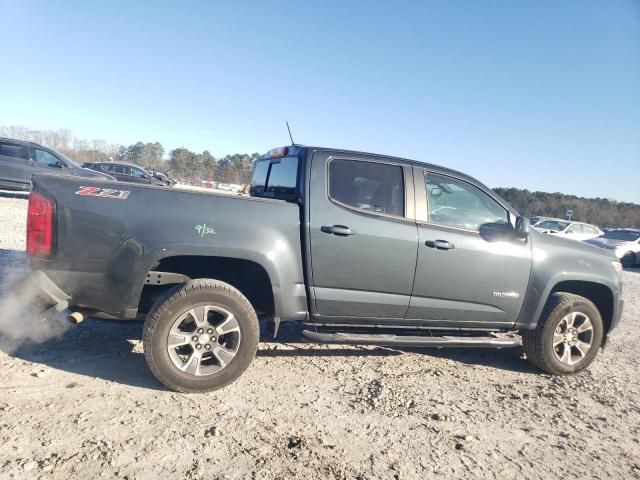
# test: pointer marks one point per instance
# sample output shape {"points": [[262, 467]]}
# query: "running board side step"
{"points": [[390, 340]]}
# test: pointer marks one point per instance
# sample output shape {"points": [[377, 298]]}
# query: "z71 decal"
{"points": [[103, 193]]}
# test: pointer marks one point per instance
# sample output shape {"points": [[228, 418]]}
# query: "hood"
{"points": [[570, 246], [606, 242]]}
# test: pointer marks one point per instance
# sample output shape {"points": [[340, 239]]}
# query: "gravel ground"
{"points": [[84, 405]]}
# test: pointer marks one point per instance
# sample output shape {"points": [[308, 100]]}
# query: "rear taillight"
{"points": [[40, 225]]}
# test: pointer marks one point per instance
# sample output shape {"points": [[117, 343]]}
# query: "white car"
{"points": [[567, 229], [623, 242]]}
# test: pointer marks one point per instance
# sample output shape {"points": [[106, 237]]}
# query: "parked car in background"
{"points": [[129, 172], [20, 159], [538, 219], [164, 176], [567, 229], [623, 242]]}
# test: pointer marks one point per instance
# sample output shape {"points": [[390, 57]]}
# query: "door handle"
{"points": [[440, 244], [339, 230]]}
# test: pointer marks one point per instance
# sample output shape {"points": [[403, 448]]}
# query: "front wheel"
{"points": [[568, 335], [200, 336]]}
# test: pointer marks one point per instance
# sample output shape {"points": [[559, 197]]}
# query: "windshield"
{"points": [[626, 235], [556, 225]]}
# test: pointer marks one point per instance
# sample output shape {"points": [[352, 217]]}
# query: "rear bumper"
{"points": [[38, 290]]}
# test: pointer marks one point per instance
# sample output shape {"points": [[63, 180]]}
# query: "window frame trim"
{"points": [[33, 148], [19, 145], [144, 175], [407, 183], [422, 200]]}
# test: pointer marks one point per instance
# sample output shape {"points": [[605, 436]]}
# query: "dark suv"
{"points": [[20, 159], [128, 172]]}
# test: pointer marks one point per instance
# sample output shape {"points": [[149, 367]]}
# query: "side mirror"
{"points": [[523, 227], [497, 232]]}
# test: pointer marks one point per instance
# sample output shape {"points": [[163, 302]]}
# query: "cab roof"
{"points": [[297, 149]]}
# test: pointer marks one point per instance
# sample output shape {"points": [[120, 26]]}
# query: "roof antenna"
{"points": [[290, 136]]}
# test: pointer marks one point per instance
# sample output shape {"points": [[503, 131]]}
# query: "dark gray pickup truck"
{"points": [[361, 248]]}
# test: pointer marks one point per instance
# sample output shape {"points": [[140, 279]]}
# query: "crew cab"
{"points": [[361, 248]]}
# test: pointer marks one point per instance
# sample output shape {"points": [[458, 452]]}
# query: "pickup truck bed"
{"points": [[107, 246]]}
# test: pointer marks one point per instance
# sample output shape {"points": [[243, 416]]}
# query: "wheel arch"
{"points": [[248, 276], [598, 293]]}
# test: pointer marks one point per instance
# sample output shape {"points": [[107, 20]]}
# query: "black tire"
{"points": [[538, 343], [181, 299], [628, 260]]}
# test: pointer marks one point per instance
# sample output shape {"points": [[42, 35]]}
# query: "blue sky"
{"points": [[543, 95]]}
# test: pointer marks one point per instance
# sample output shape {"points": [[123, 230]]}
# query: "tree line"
{"points": [[181, 163], [602, 212]]}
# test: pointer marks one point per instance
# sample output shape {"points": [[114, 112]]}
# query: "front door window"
{"points": [[458, 204]]}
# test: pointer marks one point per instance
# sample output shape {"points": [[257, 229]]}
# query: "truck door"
{"points": [[13, 165], [363, 240], [461, 277]]}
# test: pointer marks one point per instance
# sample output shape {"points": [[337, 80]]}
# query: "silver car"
{"points": [[623, 242], [568, 229]]}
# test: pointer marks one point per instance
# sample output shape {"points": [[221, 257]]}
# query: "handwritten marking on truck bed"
{"points": [[204, 230]]}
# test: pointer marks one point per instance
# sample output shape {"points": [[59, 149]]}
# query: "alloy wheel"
{"points": [[203, 340], [573, 338]]}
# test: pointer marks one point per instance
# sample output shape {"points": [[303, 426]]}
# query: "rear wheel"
{"points": [[628, 260], [568, 335], [200, 336]]}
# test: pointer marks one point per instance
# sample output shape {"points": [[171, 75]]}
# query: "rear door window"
{"points": [[121, 169], [13, 150], [370, 186], [105, 167]]}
